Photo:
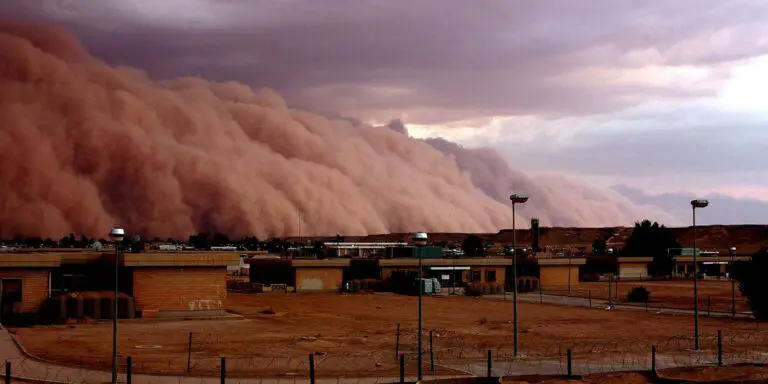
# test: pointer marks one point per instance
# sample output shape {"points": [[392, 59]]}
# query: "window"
{"points": [[476, 276], [490, 275]]}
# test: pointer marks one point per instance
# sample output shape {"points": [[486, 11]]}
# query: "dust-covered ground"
{"points": [[714, 295], [355, 335]]}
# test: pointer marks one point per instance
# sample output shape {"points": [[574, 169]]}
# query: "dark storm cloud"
{"points": [[436, 61]]}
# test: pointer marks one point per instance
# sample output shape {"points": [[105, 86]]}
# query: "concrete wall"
{"points": [[386, 271], [179, 289], [500, 274], [557, 275], [633, 270], [34, 286], [318, 279]]}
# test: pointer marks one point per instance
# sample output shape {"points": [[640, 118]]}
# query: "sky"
{"points": [[662, 96]]}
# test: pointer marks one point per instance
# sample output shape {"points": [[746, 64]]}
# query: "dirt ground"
{"points": [[351, 335], [729, 374], [713, 294]]}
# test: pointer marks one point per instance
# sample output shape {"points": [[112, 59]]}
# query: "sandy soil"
{"points": [[666, 294], [734, 374], [355, 335]]}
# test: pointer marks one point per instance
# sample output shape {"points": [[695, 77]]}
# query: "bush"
{"points": [[593, 277], [753, 283], [638, 295], [474, 290], [527, 284]]}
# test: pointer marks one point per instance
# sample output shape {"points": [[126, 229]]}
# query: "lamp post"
{"points": [[516, 198], [420, 240], [698, 203], [618, 270], [117, 235], [733, 283]]}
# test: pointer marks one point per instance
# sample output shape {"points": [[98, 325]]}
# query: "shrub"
{"points": [[638, 295], [593, 277], [474, 290], [527, 284], [753, 283]]}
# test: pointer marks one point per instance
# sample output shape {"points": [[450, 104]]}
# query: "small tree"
{"points": [[652, 239], [754, 285], [638, 295], [598, 246], [473, 246]]}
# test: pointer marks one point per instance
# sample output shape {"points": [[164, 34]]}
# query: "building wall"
{"points": [[34, 286], [386, 271], [318, 279], [633, 270], [180, 289], [500, 275], [557, 275]]}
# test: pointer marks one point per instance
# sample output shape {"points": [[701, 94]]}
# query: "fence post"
{"points": [[646, 304], [402, 368], [733, 299], [431, 352], [223, 369], [709, 305], [610, 290], [490, 366], [128, 369], [541, 296], [719, 347], [7, 372], [397, 341], [590, 298], [311, 368], [189, 352], [653, 358], [570, 363]]}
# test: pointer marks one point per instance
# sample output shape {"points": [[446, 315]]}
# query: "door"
{"points": [[11, 296]]}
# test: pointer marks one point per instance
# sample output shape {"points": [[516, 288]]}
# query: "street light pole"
{"points": [[516, 198], [610, 302], [733, 283], [699, 203], [117, 235], [420, 240]]}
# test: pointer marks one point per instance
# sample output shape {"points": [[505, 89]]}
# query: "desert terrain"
{"points": [[714, 295], [355, 335]]}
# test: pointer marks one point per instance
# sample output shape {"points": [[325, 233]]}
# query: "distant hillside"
{"points": [[747, 238], [722, 209]]}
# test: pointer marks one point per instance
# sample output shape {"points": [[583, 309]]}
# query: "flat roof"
{"points": [[634, 259], [179, 259], [562, 261], [322, 263], [702, 258], [30, 260], [473, 262]]}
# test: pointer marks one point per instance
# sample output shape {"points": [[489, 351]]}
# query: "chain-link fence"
{"points": [[445, 353]]}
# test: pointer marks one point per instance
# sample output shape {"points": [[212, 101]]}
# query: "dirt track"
{"points": [[352, 334]]}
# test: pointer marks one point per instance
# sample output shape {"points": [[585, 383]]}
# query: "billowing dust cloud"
{"points": [[555, 200], [85, 146]]}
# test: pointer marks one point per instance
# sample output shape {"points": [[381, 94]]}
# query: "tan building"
{"points": [[170, 284], [633, 268], [25, 281], [559, 271], [159, 283]]}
